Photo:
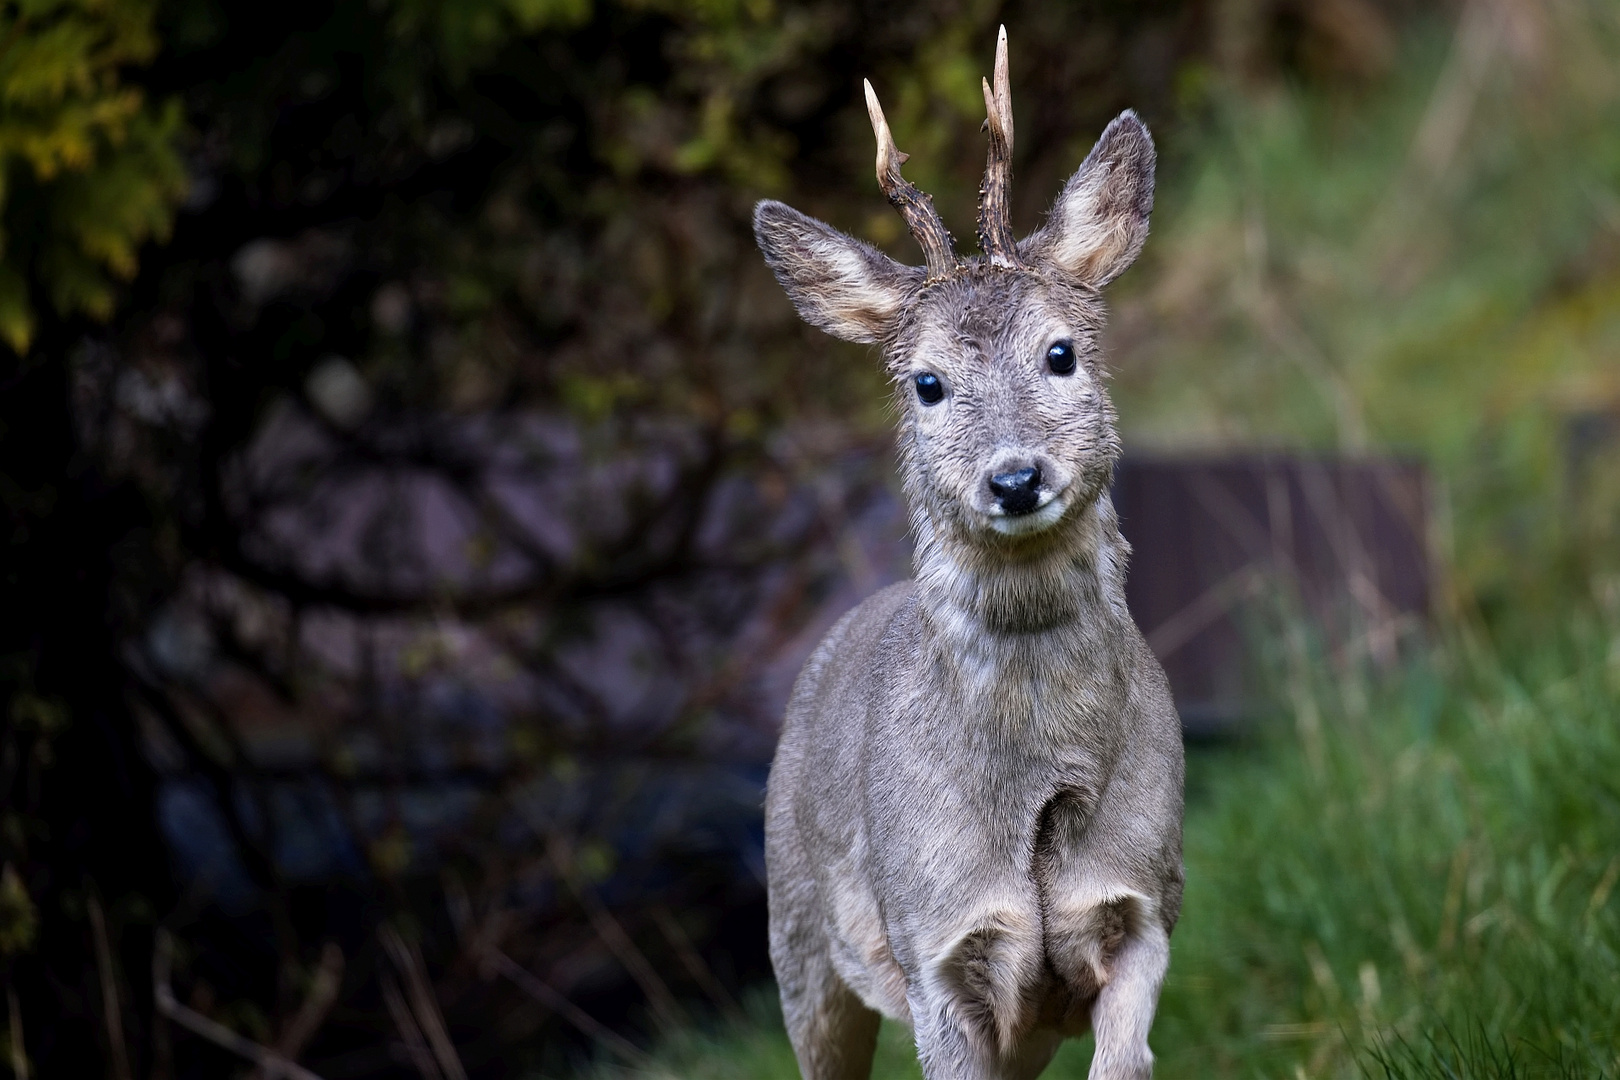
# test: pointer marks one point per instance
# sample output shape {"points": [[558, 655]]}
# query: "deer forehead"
{"points": [[993, 317]]}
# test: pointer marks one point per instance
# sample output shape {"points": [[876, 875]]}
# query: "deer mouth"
{"points": [[1047, 510]]}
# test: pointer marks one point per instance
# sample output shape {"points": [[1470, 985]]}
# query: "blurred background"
{"points": [[419, 499]]}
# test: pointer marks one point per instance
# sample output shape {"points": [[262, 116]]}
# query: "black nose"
{"points": [[1016, 490]]}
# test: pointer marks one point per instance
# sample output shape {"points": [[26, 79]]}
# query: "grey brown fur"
{"points": [[974, 817]]}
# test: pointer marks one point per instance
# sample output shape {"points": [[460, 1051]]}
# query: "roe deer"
{"points": [[973, 822]]}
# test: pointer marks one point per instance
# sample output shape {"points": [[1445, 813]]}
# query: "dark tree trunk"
{"points": [[78, 794]]}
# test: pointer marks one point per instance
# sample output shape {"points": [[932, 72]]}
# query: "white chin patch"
{"points": [[1044, 516]]}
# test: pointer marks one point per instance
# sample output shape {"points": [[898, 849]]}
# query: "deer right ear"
{"points": [[843, 286], [1100, 220]]}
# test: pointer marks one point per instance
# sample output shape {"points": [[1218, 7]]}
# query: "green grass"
{"points": [[1417, 874], [1422, 871]]}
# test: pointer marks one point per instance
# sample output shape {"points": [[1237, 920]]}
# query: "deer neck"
{"points": [[1068, 583]]}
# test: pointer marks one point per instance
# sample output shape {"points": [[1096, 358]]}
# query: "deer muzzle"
{"points": [[1017, 492]]}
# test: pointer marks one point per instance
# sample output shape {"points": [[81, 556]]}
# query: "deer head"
{"points": [[1007, 431]]}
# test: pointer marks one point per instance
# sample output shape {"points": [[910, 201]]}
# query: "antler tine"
{"points": [[1004, 87], [995, 194], [916, 206]]}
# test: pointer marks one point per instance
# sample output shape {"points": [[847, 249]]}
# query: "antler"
{"points": [[995, 194], [916, 206]]}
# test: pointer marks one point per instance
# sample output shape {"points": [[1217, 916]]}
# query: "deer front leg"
{"points": [[1108, 932], [1112, 955], [1128, 997], [833, 1032]]}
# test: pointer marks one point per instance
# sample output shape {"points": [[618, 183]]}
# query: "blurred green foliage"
{"points": [[89, 169], [19, 921], [1427, 264]]}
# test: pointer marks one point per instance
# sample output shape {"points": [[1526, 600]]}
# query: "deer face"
{"points": [[1006, 426]]}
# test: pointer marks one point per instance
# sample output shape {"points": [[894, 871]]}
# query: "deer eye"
{"points": [[929, 391], [1060, 358]]}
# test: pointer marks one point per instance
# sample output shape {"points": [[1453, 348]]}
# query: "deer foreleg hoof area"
{"points": [[1127, 1063]]}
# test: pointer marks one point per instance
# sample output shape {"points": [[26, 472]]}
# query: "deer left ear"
{"points": [[1100, 221], [847, 288]]}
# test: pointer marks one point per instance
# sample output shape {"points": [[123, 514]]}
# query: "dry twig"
{"points": [[19, 1056], [423, 1002], [612, 933], [694, 963], [272, 1063], [112, 1012], [415, 1045], [318, 1002], [497, 961]]}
